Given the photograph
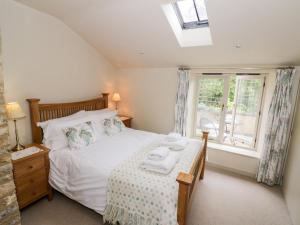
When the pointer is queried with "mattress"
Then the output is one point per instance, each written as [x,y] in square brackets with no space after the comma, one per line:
[82,175]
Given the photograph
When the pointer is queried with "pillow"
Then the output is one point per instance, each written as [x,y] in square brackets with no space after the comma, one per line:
[102,113]
[113,125]
[61,119]
[55,138]
[47,129]
[80,135]
[98,116]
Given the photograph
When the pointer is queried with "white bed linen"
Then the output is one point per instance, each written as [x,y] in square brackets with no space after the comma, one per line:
[82,175]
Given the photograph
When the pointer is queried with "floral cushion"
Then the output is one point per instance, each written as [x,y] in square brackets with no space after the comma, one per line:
[113,125]
[80,135]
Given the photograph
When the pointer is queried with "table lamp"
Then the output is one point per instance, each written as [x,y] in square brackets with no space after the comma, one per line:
[116,98]
[15,112]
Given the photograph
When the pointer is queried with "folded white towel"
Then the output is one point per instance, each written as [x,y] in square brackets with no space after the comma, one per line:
[173,137]
[176,145]
[164,166]
[160,153]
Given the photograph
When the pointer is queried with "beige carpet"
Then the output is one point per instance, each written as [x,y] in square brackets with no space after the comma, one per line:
[221,199]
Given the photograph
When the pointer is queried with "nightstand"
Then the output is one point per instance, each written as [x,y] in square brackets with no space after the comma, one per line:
[126,120]
[31,170]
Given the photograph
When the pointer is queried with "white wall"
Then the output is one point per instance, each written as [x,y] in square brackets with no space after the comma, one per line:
[291,186]
[43,58]
[148,95]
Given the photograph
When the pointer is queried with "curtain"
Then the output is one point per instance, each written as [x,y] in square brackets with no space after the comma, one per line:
[181,102]
[271,166]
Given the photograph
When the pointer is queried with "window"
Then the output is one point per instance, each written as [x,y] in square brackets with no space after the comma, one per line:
[182,15]
[229,107]
[191,13]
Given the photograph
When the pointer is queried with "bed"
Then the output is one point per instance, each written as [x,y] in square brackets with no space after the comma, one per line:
[83,177]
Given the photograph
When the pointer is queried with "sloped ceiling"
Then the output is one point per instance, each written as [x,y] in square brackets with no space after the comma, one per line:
[136,33]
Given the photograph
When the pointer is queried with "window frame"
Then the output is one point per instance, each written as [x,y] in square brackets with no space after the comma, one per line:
[260,108]
[189,25]
[226,77]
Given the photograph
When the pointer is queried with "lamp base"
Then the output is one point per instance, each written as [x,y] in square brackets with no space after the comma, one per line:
[18,147]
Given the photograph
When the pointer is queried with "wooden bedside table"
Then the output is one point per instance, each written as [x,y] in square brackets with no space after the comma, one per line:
[126,120]
[31,174]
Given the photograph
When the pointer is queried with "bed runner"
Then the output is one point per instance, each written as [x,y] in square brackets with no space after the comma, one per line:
[139,197]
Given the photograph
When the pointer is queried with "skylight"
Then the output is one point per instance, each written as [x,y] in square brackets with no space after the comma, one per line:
[191,13]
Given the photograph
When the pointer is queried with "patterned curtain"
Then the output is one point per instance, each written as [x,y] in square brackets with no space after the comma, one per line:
[271,166]
[181,102]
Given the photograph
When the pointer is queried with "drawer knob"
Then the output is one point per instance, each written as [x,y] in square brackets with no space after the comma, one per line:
[30,167]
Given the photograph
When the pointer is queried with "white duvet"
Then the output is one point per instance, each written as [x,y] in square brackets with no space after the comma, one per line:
[82,175]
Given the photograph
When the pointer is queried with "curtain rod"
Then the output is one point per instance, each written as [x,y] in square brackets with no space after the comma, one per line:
[239,68]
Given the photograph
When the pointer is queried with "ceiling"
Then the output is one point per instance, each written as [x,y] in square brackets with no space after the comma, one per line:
[136,33]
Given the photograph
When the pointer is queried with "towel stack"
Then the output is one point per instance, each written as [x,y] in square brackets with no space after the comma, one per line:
[175,142]
[160,160]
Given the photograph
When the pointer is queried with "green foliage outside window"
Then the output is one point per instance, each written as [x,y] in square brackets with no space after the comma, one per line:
[211,93]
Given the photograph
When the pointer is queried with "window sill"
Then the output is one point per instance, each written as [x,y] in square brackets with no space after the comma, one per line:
[234,150]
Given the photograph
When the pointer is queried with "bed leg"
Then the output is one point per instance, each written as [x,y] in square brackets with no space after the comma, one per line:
[50,194]
[184,180]
[205,138]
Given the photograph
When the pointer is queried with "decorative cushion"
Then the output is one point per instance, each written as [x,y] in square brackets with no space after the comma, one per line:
[56,138]
[113,125]
[81,135]
[98,118]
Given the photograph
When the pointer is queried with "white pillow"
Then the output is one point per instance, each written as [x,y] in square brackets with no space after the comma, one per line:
[102,113]
[44,124]
[56,138]
[61,119]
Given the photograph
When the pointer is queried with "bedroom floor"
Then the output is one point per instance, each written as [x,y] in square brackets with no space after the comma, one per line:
[221,199]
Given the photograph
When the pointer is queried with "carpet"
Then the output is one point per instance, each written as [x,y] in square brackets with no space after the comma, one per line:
[222,198]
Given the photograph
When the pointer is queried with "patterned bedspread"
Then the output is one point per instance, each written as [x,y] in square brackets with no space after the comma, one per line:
[139,197]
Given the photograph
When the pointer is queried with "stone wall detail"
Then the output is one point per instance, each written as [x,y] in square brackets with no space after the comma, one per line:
[9,209]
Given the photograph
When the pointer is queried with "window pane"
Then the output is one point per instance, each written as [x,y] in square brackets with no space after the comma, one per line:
[241,118]
[187,10]
[209,107]
[231,94]
[200,4]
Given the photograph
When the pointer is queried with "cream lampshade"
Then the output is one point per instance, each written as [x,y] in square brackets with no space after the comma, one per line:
[15,112]
[116,98]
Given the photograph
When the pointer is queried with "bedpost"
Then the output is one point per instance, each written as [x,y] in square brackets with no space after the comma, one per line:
[187,181]
[105,97]
[184,180]
[205,138]
[35,118]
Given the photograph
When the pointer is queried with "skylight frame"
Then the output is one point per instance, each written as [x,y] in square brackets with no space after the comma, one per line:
[190,25]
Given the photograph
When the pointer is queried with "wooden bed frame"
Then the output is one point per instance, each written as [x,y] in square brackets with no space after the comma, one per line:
[187,181]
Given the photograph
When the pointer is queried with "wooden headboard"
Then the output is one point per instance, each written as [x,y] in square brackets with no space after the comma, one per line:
[42,112]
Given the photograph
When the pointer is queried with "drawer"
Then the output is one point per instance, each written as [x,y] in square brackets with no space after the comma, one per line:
[28,166]
[27,181]
[32,193]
